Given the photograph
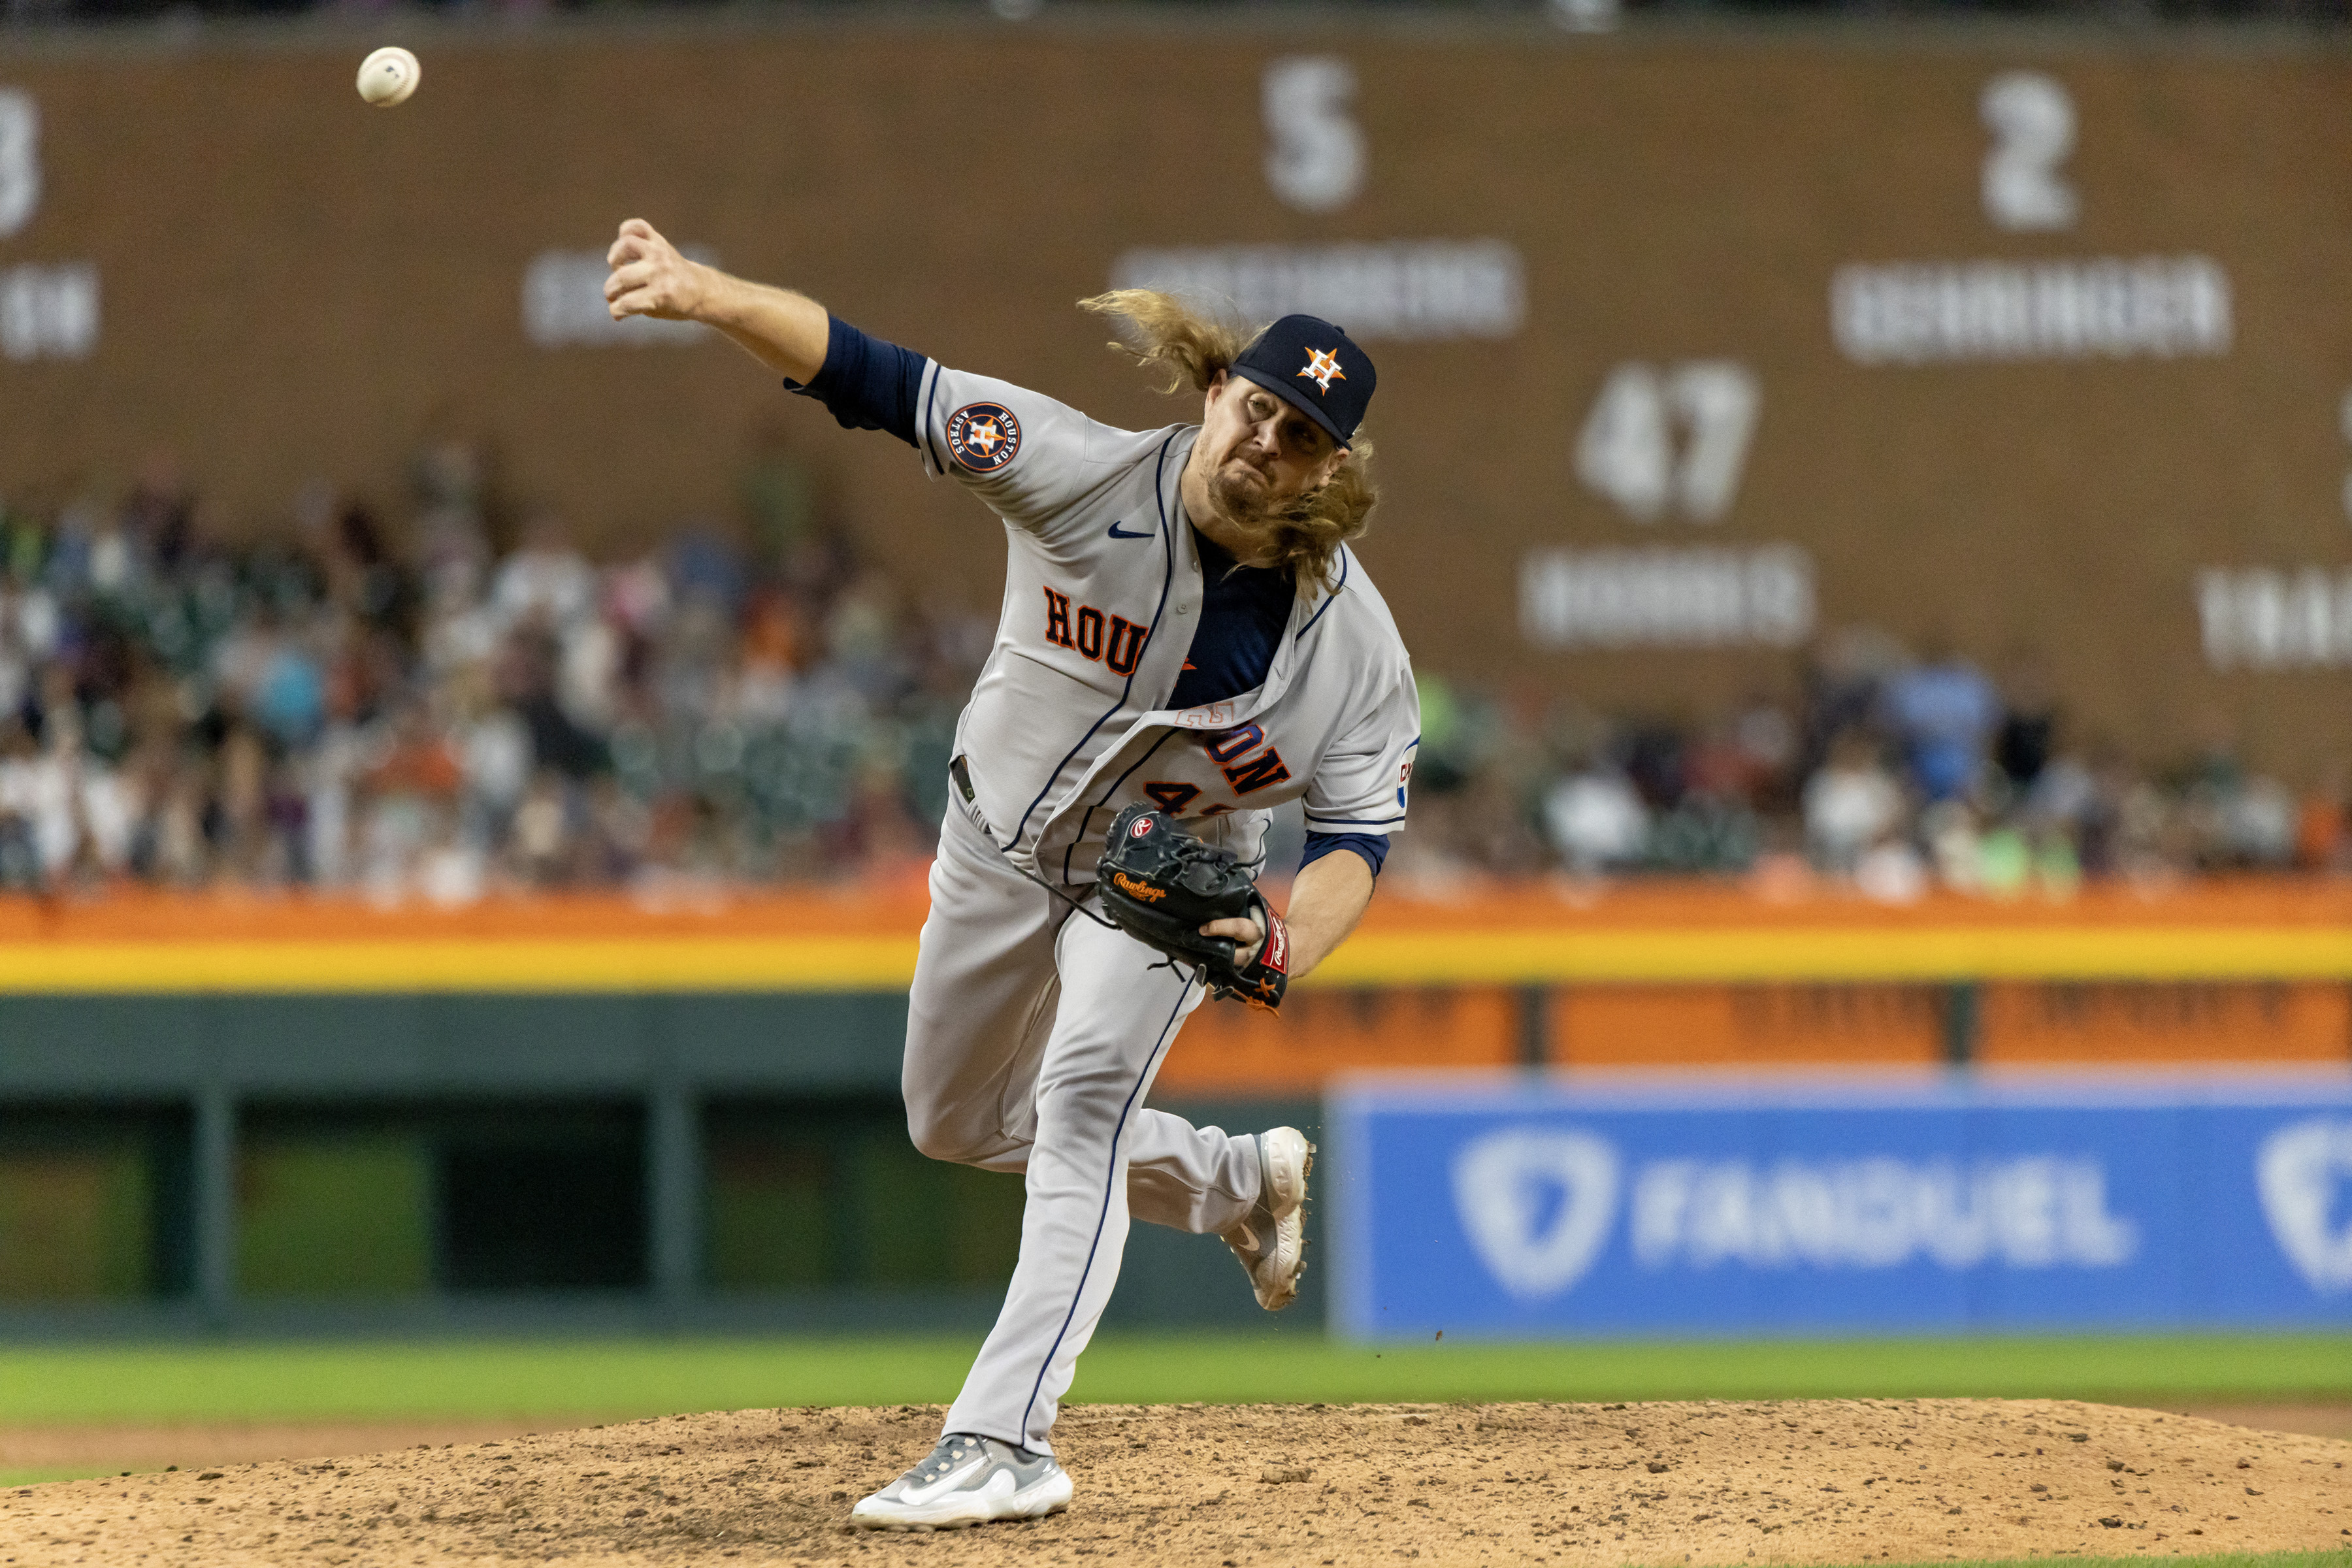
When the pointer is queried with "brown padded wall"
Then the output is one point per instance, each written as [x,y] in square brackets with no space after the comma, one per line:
[295,286]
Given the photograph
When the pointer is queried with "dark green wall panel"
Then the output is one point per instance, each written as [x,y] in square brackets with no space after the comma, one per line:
[280,1046]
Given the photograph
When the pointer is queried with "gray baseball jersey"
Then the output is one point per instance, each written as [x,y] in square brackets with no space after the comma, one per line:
[1102,595]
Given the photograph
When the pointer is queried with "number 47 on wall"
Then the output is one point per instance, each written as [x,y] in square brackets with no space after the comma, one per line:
[1628,450]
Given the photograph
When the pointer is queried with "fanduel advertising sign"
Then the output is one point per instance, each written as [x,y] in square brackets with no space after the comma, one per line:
[1528,1206]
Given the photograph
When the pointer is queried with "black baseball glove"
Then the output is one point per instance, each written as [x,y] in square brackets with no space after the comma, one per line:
[1161,885]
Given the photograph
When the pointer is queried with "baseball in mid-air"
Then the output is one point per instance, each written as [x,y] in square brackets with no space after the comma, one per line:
[388,76]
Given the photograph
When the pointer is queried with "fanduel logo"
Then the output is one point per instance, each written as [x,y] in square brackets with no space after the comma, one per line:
[2296,1171]
[1539,1203]
[2034,1212]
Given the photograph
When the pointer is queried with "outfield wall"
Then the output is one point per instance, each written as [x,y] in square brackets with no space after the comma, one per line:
[1691,343]
[292,1110]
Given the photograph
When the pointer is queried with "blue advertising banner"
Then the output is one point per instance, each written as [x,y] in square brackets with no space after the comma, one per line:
[1524,1205]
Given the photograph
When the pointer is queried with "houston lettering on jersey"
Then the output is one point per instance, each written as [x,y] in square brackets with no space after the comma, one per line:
[1232,750]
[1113,640]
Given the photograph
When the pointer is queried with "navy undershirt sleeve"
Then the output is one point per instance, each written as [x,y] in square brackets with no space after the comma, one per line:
[1372,846]
[1244,610]
[867,384]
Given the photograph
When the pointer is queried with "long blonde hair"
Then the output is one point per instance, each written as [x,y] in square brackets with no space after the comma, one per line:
[1193,350]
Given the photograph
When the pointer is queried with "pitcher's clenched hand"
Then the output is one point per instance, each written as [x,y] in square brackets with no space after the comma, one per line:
[1245,934]
[786,332]
[651,279]
[1326,899]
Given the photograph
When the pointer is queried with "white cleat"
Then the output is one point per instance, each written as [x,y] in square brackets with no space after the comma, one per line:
[1272,1242]
[968,1480]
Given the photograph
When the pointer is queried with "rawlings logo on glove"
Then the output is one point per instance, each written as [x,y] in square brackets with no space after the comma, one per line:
[1135,890]
[1161,885]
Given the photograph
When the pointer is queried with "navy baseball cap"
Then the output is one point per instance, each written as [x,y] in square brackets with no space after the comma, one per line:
[1318,368]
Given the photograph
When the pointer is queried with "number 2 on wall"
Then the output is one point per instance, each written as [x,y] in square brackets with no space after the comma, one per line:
[2031,118]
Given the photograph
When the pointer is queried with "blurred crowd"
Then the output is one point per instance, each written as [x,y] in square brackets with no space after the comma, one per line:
[443,702]
[410,711]
[1887,771]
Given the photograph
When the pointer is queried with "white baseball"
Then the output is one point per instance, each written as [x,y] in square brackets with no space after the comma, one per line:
[388,76]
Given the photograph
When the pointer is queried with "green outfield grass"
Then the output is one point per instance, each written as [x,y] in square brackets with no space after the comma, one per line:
[606,1380]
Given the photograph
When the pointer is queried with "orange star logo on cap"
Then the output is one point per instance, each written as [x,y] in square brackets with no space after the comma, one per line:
[1323,368]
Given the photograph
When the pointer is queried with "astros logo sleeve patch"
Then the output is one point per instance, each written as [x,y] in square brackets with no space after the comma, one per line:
[983,437]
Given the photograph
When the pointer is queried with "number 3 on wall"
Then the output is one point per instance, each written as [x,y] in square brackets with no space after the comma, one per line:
[20,161]
[2031,118]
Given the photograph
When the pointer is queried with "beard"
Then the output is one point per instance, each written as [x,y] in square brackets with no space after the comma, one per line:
[1245,498]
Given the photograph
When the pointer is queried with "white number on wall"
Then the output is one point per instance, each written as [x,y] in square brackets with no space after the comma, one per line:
[1627,450]
[2343,419]
[1314,151]
[564,304]
[2031,118]
[48,312]
[20,159]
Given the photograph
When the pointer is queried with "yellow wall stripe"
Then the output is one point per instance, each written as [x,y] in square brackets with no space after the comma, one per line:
[1832,954]
[1373,958]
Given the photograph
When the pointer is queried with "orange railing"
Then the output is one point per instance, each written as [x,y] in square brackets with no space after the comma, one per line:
[1633,974]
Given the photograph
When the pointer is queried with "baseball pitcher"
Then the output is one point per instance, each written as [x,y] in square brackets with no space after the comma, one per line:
[1186,641]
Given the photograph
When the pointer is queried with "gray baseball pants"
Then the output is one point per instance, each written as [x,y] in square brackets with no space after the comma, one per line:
[1032,1036]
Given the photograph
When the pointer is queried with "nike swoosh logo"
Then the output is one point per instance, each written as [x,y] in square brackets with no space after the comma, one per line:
[1115,533]
[927,1491]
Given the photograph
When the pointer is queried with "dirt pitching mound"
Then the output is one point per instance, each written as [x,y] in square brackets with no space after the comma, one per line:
[1814,1481]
